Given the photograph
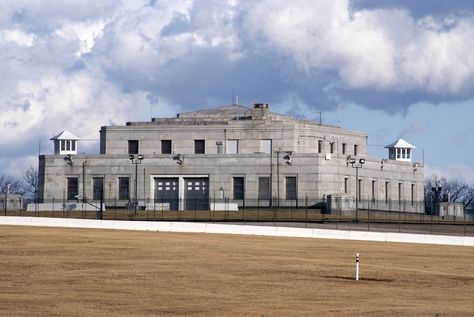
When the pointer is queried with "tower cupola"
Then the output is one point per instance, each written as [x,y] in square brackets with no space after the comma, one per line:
[65,143]
[400,150]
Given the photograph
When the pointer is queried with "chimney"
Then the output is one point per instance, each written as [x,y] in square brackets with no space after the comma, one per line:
[260,110]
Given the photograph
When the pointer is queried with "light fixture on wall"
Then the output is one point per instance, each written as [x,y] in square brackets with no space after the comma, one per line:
[179,159]
[287,158]
[68,159]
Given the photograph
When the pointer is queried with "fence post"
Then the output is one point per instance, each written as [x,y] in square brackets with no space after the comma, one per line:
[306,212]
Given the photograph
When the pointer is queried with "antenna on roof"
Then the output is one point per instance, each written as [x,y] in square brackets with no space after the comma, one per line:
[338,115]
[235,99]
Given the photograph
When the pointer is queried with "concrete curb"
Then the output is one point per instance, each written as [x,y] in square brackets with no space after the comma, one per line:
[239,229]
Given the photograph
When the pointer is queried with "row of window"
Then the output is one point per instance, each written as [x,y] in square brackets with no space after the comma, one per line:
[374,190]
[231,147]
[400,153]
[264,189]
[97,188]
[68,145]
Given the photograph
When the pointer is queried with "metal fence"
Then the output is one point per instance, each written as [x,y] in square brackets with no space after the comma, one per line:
[371,215]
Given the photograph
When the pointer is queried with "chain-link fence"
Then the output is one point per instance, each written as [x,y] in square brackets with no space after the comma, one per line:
[370,215]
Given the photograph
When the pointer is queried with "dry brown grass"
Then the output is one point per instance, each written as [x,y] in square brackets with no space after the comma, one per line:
[78,272]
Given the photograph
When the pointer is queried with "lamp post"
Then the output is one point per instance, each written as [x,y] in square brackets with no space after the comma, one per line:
[436,192]
[136,159]
[357,164]
[288,161]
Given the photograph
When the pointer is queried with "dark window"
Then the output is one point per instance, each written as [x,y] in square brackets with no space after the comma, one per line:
[291,192]
[373,190]
[399,192]
[239,188]
[73,145]
[97,187]
[199,146]
[132,146]
[165,146]
[264,188]
[331,147]
[320,146]
[387,191]
[412,194]
[124,188]
[355,149]
[343,148]
[346,185]
[63,145]
[72,188]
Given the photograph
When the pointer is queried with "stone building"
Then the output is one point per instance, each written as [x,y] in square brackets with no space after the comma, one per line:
[250,157]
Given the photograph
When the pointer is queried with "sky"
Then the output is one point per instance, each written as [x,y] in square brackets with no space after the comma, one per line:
[394,68]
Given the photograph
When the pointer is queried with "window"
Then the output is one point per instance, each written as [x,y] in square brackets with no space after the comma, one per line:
[73,145]
[220,146]
[331,147]
[320,146]
[412,194]
[63,145]
[399,191]
[166,146]
[387,194]
[124,188]
[355,149]
[232,147]
[291,188]
[264,188]
[398,153]
[132,146]
[408,153]
[68,145]
[346,185]
[97,188]
[239,188]
[72,188]
[343,148]
[266,146]
[199,147]
[373,189]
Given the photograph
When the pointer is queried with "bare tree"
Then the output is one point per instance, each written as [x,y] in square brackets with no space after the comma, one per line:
[30,179]
[12,184]
[452,189]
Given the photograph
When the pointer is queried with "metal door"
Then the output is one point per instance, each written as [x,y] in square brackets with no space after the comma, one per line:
[196,193]
[167,191]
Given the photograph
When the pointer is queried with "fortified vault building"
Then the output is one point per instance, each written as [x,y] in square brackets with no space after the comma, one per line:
[251,157]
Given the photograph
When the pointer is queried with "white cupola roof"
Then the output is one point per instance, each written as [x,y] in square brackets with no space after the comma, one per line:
[400,150]
[65,143]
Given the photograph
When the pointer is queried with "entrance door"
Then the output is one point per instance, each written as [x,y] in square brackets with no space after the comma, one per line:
[196,193]
[167,191]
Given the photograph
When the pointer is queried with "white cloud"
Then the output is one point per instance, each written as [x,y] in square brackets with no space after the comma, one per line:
[80,64]
[19,37]
[383,49]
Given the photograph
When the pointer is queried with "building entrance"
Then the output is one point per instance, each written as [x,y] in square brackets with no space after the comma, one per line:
[167,191]
[196,193]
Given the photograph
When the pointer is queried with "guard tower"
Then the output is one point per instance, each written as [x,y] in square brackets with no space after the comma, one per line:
[65,143]
[400,150]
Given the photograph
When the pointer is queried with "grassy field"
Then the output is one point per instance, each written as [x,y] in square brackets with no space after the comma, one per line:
[78,272]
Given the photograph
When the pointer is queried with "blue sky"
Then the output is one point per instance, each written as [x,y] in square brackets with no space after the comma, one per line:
[397,68]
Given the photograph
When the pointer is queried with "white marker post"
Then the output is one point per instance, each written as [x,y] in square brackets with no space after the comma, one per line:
[357,267]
